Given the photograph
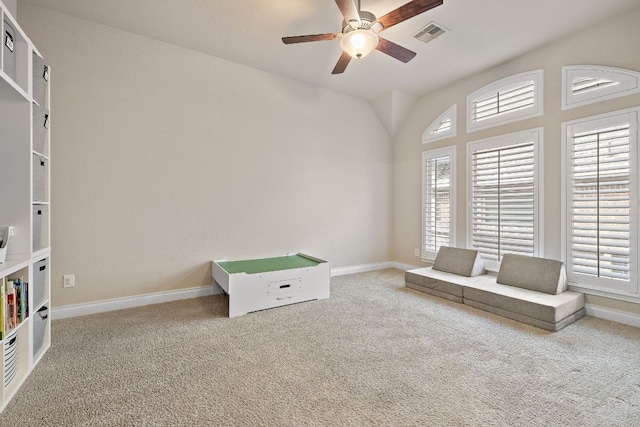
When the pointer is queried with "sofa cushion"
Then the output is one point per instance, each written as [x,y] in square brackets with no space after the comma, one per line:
[536,274]
[553,327]
[464,262]
[533,304]
[435,283]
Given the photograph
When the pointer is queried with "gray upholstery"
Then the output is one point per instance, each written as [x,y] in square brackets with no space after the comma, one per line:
[434,292]
[536,274]
[546,310]
[533,304]
[434,282]
[553,327]
[464,262]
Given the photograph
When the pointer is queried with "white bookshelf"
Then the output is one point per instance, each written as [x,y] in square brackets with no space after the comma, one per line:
[25,201]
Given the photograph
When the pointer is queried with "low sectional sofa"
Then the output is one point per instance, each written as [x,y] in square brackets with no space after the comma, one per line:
[530,290]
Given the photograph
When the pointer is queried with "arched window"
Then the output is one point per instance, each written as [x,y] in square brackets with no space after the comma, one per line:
[442,127]
[587,84]
[508,100]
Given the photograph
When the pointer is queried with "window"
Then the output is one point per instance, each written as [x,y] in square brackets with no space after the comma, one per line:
[587,84]
[601,196]
[508,100]
[438,200]
[442,127]
[504,188]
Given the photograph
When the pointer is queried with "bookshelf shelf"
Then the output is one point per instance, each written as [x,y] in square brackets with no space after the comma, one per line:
[9,267]
[25,274]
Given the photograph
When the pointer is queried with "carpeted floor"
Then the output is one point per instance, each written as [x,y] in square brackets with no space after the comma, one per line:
[374,354]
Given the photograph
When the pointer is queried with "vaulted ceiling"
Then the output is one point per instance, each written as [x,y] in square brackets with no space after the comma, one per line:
[481,34]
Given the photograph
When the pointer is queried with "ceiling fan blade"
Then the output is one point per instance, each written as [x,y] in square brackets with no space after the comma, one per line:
[349,10]
[342,63]
[395,50]
[409,10]
[309,38]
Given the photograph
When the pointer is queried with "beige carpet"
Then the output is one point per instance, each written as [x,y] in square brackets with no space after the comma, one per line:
[374,354]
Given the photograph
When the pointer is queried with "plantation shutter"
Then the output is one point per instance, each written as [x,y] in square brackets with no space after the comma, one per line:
[505,100]
[437,203]
[581,85]
[600,202]
[503,200]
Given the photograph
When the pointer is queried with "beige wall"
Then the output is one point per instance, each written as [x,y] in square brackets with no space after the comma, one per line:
[164,159]
[610,43]
[12,6]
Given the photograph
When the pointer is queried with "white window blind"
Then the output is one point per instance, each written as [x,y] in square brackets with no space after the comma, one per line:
[438,200]
[602,202]
[442,127]
[513,98]
[587,84]
[581,85]
[504,195]
[505,100]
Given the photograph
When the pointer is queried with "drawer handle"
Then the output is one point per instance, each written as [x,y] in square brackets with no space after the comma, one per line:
[285,286]
[42,268]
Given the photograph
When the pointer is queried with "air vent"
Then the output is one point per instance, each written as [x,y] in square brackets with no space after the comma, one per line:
[431,32]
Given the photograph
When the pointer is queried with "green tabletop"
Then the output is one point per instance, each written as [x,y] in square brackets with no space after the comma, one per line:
[264,265]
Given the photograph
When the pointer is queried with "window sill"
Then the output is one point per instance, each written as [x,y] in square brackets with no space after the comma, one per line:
[620,296]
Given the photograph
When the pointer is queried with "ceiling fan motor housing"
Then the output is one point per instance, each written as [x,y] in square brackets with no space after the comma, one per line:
[367,22]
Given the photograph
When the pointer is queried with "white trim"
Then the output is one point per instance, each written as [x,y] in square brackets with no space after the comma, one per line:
[430,154]
[452,114]
[628,83]
[75,310]
[537,136]
[404,267]
[362,268]
[589,285]
[604,292]
[537,109]
[83,309]
[624,317]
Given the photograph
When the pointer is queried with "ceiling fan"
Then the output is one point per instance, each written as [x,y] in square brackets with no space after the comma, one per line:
[360,30]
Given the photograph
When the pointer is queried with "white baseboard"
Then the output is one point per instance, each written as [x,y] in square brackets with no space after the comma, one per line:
[75,310]
[405,267]
[362,268]
[614,315]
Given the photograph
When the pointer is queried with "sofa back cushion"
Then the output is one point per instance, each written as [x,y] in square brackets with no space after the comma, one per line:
[536,274]
[464,262]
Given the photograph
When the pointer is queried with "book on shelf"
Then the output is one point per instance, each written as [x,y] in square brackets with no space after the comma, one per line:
[15,306]
[11,305]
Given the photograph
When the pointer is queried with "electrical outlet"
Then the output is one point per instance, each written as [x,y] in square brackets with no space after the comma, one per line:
[416,252]
[12,232]
[69,281]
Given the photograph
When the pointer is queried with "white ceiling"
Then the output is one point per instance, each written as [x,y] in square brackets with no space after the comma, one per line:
[483,33]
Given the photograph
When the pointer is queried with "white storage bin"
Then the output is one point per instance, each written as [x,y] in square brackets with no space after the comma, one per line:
[4,243]
[40,80]
[40,127]
[10,359]
[38,213]
[9,48]
[39,328]
[39,281]
[39,168]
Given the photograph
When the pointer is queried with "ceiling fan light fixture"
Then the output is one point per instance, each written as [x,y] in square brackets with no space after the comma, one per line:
[359,43]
